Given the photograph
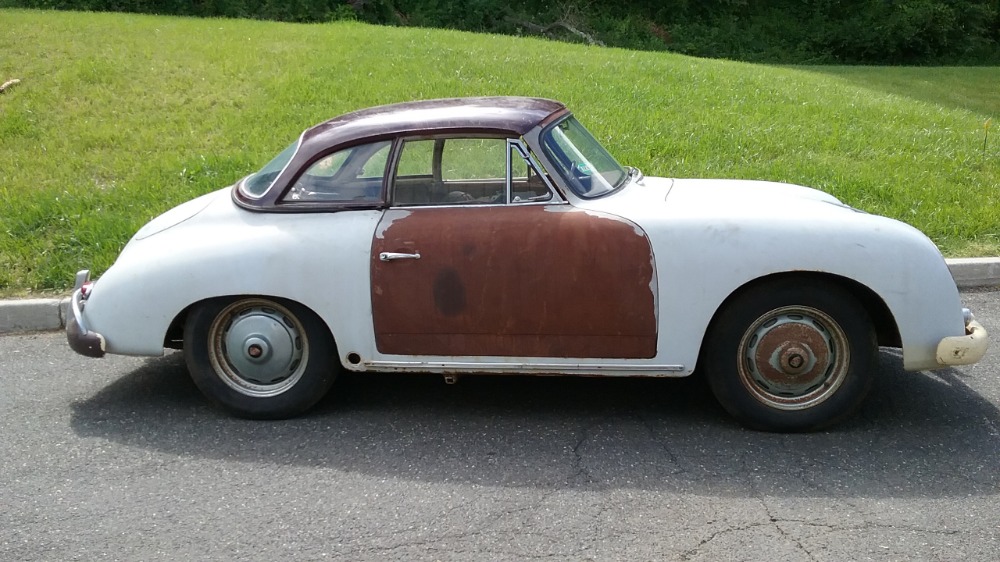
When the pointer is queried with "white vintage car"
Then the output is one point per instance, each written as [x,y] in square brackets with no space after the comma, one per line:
[496,235]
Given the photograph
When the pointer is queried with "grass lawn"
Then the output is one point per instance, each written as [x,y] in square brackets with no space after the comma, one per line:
[119,117]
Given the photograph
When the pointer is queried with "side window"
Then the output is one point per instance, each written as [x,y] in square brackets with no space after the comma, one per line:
[416,159]
[415,183]
[474,159]
[348,176]
[375,166]
[466,171]
[526,185]
[451,171]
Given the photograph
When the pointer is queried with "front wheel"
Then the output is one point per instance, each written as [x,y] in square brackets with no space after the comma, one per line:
[259,358]
[791,356]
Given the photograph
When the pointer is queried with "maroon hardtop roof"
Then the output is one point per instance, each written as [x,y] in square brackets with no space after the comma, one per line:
[514,115]
[502,115]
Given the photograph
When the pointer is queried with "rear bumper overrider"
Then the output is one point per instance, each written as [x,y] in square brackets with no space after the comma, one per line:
[80,338]
[967,349]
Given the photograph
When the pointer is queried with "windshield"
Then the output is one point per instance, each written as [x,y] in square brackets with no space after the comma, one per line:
[588,169]
[257,184]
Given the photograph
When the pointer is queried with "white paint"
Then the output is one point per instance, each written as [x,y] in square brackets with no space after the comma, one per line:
[709,237]
[391,216]
[177,215]
[712,236]
[321,260]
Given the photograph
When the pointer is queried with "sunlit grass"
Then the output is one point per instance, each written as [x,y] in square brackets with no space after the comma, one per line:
[119,117]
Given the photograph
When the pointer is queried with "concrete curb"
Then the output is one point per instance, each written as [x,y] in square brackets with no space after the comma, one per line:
[975,272]
[32,315]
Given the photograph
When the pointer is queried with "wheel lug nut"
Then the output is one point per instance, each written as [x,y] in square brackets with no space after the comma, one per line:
[793,360]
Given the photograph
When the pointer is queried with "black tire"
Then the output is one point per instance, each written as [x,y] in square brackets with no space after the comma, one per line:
[287,360]
[791,355]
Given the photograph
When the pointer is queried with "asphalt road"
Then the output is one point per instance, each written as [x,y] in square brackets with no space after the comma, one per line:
[122,459]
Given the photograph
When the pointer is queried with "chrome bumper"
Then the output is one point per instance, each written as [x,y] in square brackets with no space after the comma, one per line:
[967,349]
[82,340]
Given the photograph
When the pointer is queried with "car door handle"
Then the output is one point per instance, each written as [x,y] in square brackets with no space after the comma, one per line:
[389,256]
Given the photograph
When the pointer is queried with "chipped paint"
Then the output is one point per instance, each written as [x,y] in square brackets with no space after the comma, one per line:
[654,288]
[597,214]
[514,281]
[635,228]
[387,219]
[963,350]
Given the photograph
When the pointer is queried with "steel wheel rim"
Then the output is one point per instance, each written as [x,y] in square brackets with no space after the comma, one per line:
[793,358]
[258,348]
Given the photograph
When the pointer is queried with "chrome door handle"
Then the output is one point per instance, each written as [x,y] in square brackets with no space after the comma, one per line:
[389,256]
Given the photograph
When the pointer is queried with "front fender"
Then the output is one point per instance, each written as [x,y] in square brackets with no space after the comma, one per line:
[709,240]
[896,262]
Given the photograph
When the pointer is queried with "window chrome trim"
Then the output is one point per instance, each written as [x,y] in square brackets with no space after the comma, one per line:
[395,156]
[270,186]
[530,160]
[509,196]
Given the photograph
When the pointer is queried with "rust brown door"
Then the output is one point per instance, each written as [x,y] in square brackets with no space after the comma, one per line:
[514,280]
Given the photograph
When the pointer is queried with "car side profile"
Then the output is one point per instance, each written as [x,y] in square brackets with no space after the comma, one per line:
[497,235]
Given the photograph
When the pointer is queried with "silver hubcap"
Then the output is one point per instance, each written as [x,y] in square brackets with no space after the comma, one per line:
[258,347]
[793,358]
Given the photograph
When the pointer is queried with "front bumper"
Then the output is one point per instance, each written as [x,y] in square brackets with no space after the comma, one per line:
[964,350]
[82,340]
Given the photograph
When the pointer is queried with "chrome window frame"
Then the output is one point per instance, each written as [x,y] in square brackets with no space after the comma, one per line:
[516,143]
[529,159]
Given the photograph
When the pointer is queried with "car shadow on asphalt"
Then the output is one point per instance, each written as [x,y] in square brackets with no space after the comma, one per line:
[918,435]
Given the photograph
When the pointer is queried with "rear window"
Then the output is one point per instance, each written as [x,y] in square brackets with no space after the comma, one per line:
[258,184]
[351,175]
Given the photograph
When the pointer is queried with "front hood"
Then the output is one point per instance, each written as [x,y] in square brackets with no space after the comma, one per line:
[732,202]
[741,193]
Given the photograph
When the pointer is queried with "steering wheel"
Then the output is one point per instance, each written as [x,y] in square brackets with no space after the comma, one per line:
[457,197]
[582,178]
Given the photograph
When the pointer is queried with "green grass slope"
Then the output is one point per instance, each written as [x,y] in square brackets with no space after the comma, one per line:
[119,117]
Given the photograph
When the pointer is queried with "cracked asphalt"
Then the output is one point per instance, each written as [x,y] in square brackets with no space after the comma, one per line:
[122,459]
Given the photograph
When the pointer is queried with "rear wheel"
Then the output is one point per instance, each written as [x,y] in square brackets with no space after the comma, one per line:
[791,355]
[258,357]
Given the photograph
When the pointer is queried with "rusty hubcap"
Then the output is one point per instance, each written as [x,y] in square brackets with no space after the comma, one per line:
[793,358]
